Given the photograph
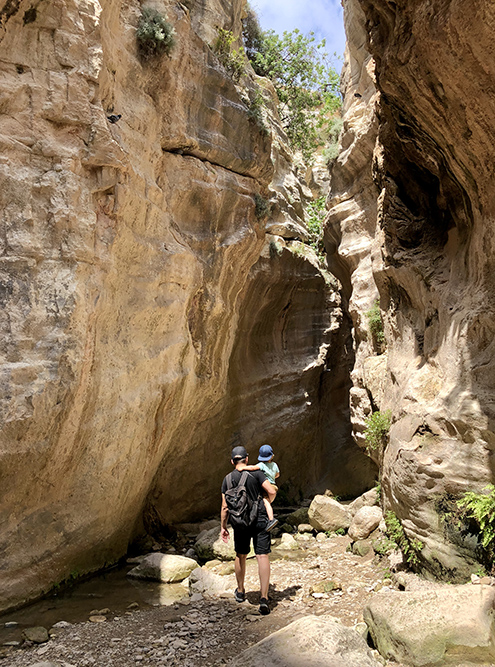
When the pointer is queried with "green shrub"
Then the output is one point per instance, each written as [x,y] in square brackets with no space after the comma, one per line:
[275,249]
[481,508]
[410,548]
[315,215]
[261,207]
[307,86]
[331,151]
[154,34]
[375,325]
[377,428]
[233,60]
[255,112]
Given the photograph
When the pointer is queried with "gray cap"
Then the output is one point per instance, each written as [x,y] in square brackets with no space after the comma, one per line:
[238,453]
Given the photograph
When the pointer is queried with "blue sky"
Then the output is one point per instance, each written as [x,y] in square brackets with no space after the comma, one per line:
[324,17]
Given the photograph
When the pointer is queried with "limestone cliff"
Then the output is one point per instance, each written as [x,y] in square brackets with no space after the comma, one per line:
[146,326]
[426,221]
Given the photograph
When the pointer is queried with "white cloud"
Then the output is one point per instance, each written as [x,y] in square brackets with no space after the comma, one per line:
[323,17]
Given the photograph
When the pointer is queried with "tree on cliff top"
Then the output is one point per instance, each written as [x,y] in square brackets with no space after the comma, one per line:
[307,85]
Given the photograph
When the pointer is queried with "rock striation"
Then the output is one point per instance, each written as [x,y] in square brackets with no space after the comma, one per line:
[411,220]
[147,325]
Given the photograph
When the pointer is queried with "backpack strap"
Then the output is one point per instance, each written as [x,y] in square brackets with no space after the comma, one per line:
[228,479]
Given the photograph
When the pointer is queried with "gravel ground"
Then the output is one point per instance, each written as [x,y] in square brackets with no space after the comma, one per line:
[210,632]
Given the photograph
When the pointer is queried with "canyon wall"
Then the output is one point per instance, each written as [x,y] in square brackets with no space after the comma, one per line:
[419,79]
[151,316]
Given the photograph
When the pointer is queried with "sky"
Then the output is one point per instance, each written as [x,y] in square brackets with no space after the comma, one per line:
[324,17]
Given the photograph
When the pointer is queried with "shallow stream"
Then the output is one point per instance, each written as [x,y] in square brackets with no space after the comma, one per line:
[111,590]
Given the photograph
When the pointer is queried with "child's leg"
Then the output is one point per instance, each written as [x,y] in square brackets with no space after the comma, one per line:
[269,509]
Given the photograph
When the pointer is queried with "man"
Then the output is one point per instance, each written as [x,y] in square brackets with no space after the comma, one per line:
[256,481]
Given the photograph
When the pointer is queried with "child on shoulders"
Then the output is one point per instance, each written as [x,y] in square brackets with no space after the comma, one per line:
[268,466]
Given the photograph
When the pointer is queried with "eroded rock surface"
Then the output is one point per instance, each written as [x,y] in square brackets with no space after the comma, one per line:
[146,327]
[416,224]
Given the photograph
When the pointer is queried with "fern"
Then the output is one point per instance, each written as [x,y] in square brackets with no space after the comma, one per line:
[481,508]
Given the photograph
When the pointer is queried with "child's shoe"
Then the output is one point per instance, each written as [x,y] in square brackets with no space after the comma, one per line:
[271,524]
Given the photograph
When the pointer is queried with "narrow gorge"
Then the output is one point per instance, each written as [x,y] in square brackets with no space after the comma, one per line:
[161,302]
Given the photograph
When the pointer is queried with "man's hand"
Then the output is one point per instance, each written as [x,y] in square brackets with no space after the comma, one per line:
[224,534]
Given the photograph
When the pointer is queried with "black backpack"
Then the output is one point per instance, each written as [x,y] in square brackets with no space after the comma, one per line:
[243,511]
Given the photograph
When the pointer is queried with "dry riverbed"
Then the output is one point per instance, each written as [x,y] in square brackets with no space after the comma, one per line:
[210,632]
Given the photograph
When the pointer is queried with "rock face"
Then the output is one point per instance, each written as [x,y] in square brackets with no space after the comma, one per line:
[431,626]
[146,327]
[412,217]
[313,641]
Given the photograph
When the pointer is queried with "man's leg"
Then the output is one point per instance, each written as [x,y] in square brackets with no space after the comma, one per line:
[264,573]
[240,571]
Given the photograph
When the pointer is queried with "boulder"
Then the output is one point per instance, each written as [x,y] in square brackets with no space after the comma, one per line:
[429,626]
[287,542]
[305,528]
[368,499]
[361,547]
[166,568]
[312,641]
[328,514]
[209,584]
[364,522]
[38,635]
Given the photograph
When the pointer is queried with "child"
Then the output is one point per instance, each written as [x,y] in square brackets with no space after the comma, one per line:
[272,471]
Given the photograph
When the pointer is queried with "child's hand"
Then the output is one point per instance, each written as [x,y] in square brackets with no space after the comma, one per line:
[224,534]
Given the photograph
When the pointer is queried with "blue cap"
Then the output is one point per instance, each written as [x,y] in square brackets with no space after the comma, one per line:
[266,453]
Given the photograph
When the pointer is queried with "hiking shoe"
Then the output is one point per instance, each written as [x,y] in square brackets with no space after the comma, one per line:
[264,608]
[239,597]
[271,524]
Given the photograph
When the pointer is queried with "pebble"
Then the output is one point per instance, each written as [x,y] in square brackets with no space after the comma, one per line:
[97,619]
[11,624]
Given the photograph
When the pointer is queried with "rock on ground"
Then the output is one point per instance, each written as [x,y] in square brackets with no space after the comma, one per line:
[312,641]
[166,568]
[209,584]
[328,514]
[425,627]
[364,522]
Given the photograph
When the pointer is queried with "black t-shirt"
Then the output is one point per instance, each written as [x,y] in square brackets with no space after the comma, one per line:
[254,482]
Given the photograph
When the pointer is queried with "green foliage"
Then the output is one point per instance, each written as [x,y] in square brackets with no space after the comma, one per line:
[275,249]
[378,488]
[481,508]
[154,34]
[232,59]
[307,86]
[410,548]
[375,325]
[261,207]
[315,215]
[331,151]
[255,112]
[377,428]
[332,533]
[384,546]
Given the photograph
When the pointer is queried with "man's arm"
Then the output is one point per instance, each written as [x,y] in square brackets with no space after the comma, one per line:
[270,491]
[252,468]
[224,515]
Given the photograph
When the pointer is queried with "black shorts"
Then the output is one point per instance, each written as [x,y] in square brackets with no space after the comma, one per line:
[261,539]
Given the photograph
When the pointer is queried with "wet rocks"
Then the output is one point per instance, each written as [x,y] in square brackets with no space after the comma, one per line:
[166,568]
[37,635]
[328,514]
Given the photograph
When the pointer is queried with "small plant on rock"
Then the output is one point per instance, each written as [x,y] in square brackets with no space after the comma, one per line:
[375,325]
[255,112]
[155,35]
[275,249]
[481,508]
[233,60]
[377,429]
[261,207]
[410,548]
